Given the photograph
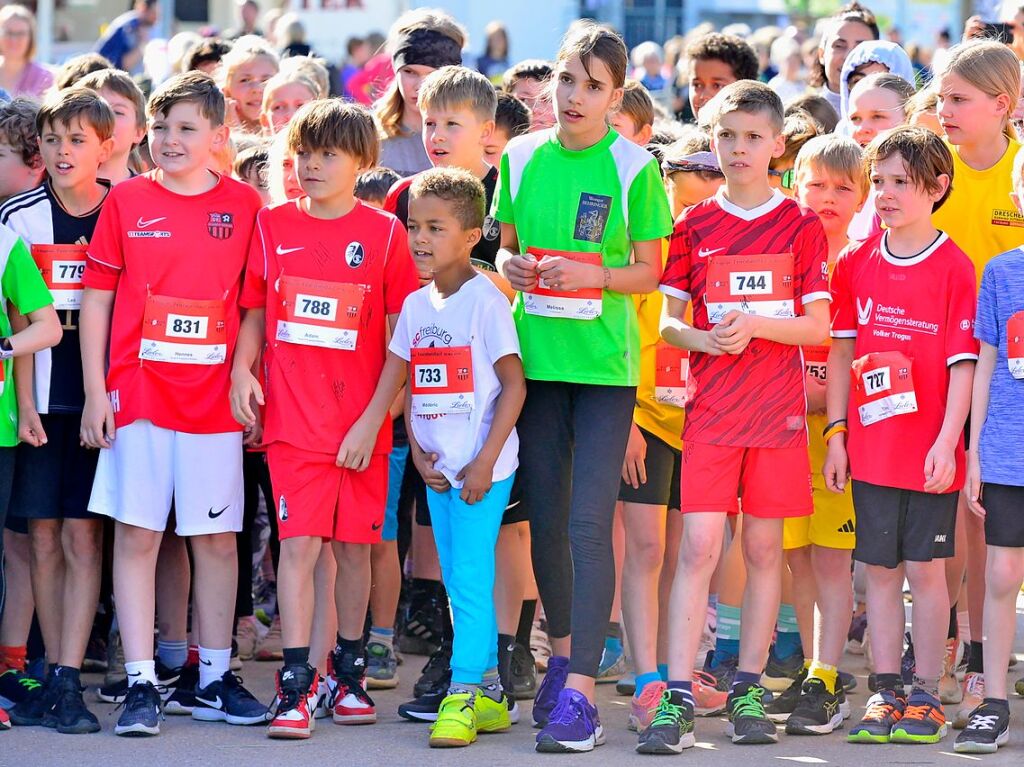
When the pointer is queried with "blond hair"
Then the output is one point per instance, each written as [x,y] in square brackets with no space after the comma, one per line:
[836,155]
[287,78]
[991,67]
[637,104]
[335,124]
[120,83]
[458,88]
[797,129]
[312,69]
[245,49]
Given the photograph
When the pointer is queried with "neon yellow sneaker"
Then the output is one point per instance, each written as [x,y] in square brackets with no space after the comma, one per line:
[492,715]
[456,723]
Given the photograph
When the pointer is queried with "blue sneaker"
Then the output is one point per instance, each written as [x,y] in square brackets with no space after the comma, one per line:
[550,689]
[141,715]
[573,726]
[226,700]
[381,667]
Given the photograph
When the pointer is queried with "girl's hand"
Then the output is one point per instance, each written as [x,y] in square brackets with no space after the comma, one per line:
[521,272]
[634,467]
[564,274]
[972,487]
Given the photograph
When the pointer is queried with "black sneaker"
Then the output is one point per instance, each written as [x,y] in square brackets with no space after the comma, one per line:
[724,672]
[70,715]
[817,711]
[783,705]
[424,708]
[15,686]
[438,666]
[748,723]
[848,681]
[226,700]
[908,663]
[987,730]
[779,673]
[141,715]
[671,730]
[180,698]
[523,673]
[33,710]
[115,692]
[424,622]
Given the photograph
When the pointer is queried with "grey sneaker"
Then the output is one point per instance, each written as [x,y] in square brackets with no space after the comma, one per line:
[381,667]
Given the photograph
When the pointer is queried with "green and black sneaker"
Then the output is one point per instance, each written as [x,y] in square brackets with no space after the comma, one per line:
[748,722]
[671,730]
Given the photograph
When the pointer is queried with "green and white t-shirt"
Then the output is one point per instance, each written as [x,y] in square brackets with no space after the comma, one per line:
[597,200]
[21,285]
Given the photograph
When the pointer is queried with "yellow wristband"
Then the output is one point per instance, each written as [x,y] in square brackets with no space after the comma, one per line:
[839,428]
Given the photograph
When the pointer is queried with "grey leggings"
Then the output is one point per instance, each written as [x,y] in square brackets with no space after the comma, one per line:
[572,443]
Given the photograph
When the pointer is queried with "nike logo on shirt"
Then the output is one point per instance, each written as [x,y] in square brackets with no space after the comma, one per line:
[704,252]
[142,224]
[285,251]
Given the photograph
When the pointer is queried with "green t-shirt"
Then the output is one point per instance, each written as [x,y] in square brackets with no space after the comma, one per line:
[21,285]
[598,200]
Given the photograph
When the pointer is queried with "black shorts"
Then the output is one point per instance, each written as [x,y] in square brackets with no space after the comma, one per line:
[412,482]
[663,463]
[1004,514]
[55,481]
[896,525]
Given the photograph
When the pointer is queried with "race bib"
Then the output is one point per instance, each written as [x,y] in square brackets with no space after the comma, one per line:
[671,375]
[883,386]
[546,301]
[184,330]
[815,359]
[756,284]
[319,313]
[442,380]
[62,267]
[1015,345]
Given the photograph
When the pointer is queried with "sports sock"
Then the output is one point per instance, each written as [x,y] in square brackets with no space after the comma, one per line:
[295,656]
[929,685]
[490,685]
[663,671]
[526,622]
[642,680]
[13,657]
[787,636]
[172,654]
[891,682]
[213,664]
[746,677]
[140,671]
[685,688]
[464,687]
[727,635]
[826,673]
[348,645]
[963,625]
[976,662]
[384,636]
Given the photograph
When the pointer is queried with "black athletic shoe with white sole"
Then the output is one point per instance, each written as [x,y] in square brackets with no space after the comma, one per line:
[817,711]
[987,729]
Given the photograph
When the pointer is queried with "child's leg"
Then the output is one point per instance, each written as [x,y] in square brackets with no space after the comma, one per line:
[799,590]
[352,587]
[135,555]
[48,576]
[295,598]
[645,552]
[216,572]
[835,602]
[18,604]
[512,566]
[673,537]
[976,555]
[886,617]
[325,613]
[762,554]
[173,588]
[82,541]
[930,617]
[1003,574]
[387,583]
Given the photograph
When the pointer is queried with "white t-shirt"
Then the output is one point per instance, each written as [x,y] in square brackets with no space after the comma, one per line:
[479,317]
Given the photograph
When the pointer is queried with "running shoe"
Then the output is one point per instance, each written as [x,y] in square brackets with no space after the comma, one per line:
[722,669]
[540,644]
[270,648]
[141,715]
[884,711]
[550,691]
[848,681]
[671,729]
[987,729]
[855,636]
[182,694]
[456,722]
[381,667]
[424,707]
[626,686]
[973,695]
[573,726]
[817,710]
[296,698]
[352,704]
[1018,686]
[323,706]
[115,692]
[15,686]
[5,720]
[227,700]
[783,705]
[249,635]
[492,715]
[710,701]
[69,715]
[33,710]
[95,660]
[748,723]
[923,720]
[779,673]
[908,664]
[950,691]
[424,623]
[613,665]
[645,706]
[523,672]
[438,666]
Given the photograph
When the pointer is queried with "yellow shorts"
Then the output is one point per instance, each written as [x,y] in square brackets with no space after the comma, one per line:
[832,525]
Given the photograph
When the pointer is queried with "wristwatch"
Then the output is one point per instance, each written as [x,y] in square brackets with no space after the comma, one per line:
[6,350]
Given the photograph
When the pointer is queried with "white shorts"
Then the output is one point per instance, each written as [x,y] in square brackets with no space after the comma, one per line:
[147,467]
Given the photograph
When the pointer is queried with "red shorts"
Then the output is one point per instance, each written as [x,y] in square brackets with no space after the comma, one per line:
[317,498]
[773,482]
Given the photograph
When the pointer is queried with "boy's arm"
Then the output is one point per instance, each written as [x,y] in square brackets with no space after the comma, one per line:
[837,402]
[30,426]
[94,331]
[940,463]
[520,270]
[979,406]
[676,332]
[245,387]
[477,476]
[735,331]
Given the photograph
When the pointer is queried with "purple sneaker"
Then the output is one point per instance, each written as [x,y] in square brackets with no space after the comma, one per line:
[550,688]
[573,726]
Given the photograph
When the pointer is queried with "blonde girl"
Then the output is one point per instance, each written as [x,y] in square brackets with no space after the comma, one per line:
[282,97]
[244,73]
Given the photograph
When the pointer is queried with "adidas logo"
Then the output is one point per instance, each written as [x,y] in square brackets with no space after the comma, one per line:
[847,527]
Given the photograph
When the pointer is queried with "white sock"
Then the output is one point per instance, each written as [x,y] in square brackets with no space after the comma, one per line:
[141,671]
[213,664]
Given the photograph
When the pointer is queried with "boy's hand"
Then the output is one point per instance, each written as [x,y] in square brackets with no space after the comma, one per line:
[939,468]
[565,274]
[30,427]
[837,465]
[97,422]
[972,487]
[711,344]
[476,478]
[634,468]
[244,389]
[734,332]
[357,447]
[521,272]
[424,464]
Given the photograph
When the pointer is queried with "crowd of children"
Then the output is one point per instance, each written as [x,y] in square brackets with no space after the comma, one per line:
[459,338]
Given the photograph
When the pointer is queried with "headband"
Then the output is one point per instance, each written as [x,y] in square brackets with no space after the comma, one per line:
[697,161]
[426,47]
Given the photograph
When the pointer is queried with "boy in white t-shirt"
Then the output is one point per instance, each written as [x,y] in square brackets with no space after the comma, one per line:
[465,391]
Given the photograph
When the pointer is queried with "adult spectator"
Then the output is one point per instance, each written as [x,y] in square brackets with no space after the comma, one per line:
[248,16]
[19,74]
[291,36]
[207,55]
[126,37]
[358,53]
[494,61]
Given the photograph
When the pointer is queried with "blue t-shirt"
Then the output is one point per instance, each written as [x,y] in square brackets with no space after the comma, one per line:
[1002,295]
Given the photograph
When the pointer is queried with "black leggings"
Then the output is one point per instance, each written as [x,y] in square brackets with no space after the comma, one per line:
[574,431]
[255,480]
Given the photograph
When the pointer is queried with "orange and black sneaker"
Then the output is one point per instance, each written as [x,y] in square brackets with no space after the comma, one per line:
[923,720]
[884,711]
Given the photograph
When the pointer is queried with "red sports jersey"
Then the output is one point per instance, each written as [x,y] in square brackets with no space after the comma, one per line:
[176,265]
[914,316]
[771,260]
[328,286]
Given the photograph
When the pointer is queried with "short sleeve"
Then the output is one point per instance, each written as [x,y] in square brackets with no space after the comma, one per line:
[105,255]
[400,278]
[960,342]
[986,323]
[844,315]
[649,214]
[400,339]
[811,247]
[499,332]
[675,280]
[22,283]
[254,286]
[502,206]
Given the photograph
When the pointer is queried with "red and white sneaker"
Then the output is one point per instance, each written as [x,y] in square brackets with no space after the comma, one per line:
[324,698]
[295,702]
[352,704]
[5,720]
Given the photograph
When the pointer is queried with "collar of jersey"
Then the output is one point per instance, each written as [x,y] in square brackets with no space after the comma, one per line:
[883,246]
[774,201]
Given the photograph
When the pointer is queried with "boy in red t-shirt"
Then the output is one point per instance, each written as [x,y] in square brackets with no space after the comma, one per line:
[326,279]
[754,264]
[162,278]
[901,369]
